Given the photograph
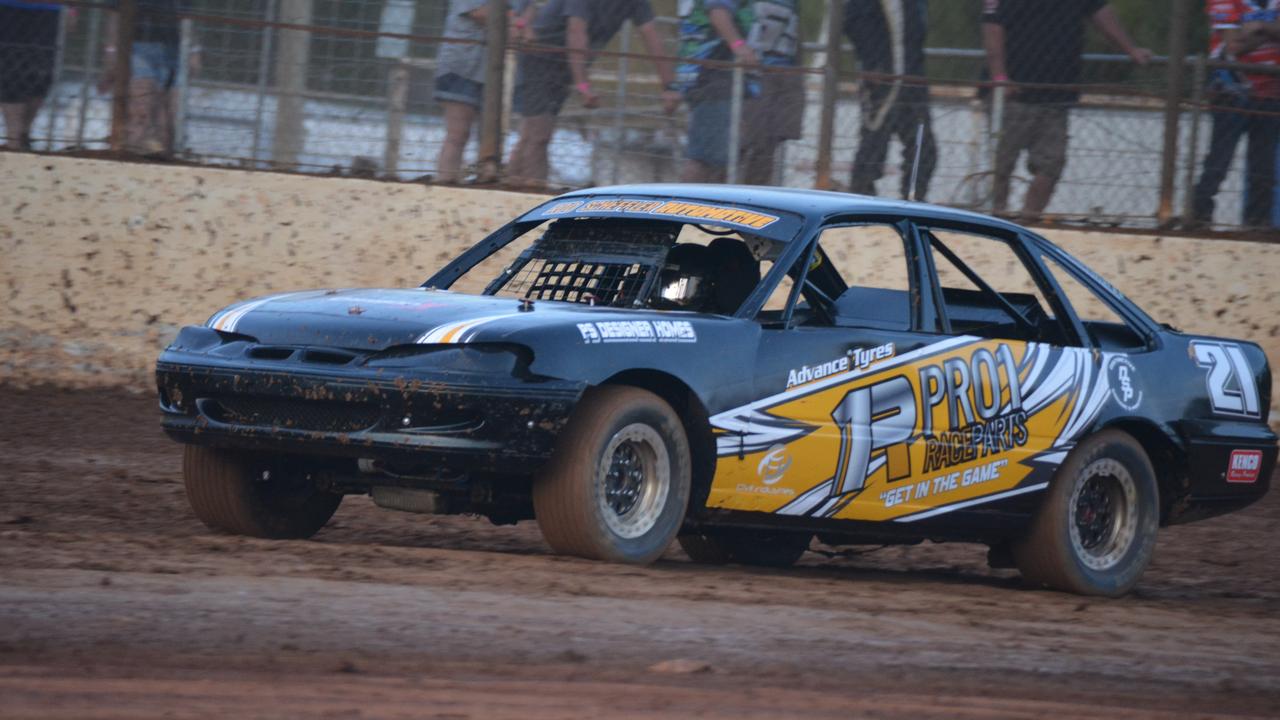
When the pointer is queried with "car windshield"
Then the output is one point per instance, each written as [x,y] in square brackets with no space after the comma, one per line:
[634,263]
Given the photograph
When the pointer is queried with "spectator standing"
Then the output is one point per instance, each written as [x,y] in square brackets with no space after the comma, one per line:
[777,113]
[888,39]
[460,69]
[545,77]
[712,30]
[153,69]
[1040,43]
[28,43]
[1246,31]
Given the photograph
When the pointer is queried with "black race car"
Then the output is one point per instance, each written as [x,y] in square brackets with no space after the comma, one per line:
[741,369]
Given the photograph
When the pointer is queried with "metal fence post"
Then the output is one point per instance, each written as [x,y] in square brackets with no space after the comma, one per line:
[126,21]
[264,74]
[1173,108]
[620,104]
[997,129]
[830,91]
[397,107]
[292,58]
[1199,75]
[491,110]
[735,123]
[182,85]
[86,83]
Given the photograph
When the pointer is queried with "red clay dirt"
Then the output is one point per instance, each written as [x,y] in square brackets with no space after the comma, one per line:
[115,602]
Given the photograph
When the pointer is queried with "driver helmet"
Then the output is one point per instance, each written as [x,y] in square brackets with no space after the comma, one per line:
[683,282]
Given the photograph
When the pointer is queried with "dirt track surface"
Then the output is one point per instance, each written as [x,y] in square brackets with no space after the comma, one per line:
[116,603]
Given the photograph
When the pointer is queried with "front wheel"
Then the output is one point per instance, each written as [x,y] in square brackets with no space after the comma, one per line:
[256,495]
[1095,532]
[617,486]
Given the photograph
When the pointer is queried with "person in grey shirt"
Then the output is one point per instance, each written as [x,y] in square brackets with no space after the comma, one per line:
[460,81]
[564,32]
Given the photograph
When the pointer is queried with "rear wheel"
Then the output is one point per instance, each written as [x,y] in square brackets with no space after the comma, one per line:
[764,548]
[1095,532]
[255,495]
[618,484]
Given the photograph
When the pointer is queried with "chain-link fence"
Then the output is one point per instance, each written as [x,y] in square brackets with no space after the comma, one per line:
[1054,110]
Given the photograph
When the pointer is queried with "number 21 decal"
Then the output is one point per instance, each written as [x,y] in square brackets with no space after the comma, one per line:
[1232,389]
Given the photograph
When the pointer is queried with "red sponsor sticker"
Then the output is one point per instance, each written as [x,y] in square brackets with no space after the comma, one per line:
[1244,465]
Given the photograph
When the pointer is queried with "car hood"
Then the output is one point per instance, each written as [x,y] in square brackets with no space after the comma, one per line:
[375,319]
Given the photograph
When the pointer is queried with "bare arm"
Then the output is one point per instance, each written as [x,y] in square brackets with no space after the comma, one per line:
[579,47]
[727,29]
[658,53]
[1106,21]
[993,42]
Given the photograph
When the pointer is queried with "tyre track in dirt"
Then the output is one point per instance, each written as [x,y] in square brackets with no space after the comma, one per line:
[116,602]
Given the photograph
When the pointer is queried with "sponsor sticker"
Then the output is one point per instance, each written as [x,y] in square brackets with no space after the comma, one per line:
[855,359]
[1244,466]
[669,208]
[1125,386]
[774,465]
[638,331]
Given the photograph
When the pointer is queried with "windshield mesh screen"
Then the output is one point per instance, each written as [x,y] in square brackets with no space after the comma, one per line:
[596,262]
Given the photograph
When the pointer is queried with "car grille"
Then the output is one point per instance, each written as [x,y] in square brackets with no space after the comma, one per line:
[313,415]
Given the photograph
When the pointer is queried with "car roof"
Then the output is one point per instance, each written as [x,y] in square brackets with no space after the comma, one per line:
[809,203]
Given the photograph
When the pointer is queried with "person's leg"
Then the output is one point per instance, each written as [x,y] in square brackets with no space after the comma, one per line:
[915,121]
[458,118]
[1260,164]
[873,144]
[757,162]
[141,135]
[529,158]
[1228,126]
[1047,157]
[16,132]
[1010,144]
[706,150]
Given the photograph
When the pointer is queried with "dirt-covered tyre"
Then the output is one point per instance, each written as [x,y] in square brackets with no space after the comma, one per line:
[1095,531]
[617,486]
[764,548]
[254,495]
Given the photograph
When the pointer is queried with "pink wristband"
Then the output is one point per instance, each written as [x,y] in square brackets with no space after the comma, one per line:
[737,43]
[1000,78]
[584,88]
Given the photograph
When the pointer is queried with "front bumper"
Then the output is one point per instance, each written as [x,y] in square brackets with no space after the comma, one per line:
[451,420]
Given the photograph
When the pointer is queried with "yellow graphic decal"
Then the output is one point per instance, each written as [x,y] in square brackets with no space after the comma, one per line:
[939,427]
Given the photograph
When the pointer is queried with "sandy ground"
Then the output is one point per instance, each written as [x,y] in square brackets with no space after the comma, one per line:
[116,603]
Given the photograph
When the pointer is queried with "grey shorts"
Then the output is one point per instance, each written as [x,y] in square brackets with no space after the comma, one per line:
[1038,128]
[542,84]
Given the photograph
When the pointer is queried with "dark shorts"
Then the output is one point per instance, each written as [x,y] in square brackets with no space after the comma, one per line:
[708,141]
[452,87]
[155,61]
[1038,128]
[542,84]
[28,41]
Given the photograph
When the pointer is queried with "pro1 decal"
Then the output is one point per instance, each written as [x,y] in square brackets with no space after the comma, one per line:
[1125,387]
[638,331]
[940,428]
[1230,381]
[1244,466]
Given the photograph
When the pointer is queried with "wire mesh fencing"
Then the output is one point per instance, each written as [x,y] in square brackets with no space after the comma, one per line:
[897,98]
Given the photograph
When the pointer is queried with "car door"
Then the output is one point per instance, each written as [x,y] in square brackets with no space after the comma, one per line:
[828,417]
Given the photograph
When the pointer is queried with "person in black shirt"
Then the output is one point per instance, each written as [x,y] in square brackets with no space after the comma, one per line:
[888,38]
[28,44]
[1039,43]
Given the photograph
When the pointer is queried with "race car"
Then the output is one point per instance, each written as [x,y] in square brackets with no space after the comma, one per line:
[739,369]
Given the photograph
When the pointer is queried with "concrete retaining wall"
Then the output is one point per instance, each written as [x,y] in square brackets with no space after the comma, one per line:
[101,262]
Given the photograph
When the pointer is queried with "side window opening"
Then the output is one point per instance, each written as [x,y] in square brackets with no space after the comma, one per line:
[1106,328]
[988,291]
[860,272]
